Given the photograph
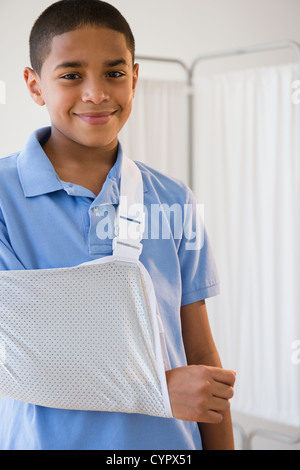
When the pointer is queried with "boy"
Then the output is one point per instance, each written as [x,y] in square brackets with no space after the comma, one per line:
[53,194]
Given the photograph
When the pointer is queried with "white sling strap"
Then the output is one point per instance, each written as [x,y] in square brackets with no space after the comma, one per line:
[88,337]
[130,218]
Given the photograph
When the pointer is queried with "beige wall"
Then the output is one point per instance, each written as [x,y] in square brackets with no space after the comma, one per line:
[176,28]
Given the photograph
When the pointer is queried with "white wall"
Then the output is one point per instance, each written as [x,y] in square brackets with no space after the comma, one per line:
[180,29]
[187,28]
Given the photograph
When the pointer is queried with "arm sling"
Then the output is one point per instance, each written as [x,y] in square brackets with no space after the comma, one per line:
[88,337]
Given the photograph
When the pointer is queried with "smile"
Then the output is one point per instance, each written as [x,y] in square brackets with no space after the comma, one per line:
[96,119]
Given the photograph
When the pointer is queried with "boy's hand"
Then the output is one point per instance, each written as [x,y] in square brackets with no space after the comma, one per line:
[200,393]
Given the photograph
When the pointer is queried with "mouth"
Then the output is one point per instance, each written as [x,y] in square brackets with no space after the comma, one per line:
[96,118]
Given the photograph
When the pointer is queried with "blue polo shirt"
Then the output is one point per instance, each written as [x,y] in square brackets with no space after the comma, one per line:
[48,223]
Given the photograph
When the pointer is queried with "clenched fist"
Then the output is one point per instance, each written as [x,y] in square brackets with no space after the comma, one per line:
[200,393]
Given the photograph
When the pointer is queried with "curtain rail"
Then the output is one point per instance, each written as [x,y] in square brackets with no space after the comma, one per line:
[226,53]
[165,59]
[283,438]
[247,50]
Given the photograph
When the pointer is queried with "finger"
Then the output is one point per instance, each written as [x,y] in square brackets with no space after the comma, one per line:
[222,390]
[212,417]
[223,376]
[219,404]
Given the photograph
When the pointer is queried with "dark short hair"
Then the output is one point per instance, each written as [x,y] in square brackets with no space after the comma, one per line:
[69,15]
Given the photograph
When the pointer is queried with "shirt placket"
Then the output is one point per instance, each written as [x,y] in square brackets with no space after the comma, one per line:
[101,230]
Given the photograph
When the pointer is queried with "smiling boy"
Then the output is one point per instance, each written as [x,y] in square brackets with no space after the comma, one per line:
[83,70]
[88,100]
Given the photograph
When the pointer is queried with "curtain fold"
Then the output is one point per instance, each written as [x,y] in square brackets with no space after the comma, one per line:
[157,130]
[247,176]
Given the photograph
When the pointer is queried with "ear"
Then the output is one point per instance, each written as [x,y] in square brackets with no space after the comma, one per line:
[135,77]
[33,84]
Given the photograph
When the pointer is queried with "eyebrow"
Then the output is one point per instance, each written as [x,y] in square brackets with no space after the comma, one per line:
[70,65]
[79,64]
[114,63]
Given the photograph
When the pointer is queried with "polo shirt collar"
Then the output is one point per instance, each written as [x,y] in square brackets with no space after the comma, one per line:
[38,176]
[36,172]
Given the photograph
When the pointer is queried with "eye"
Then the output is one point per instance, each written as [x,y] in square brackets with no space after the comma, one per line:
[71,76]
[115,74]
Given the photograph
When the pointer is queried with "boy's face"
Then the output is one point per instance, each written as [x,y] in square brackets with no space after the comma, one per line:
[87,83]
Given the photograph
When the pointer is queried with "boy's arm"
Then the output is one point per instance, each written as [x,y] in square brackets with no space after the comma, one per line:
[201,391]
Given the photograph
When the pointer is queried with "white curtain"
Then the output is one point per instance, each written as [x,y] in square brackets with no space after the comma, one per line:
[247,176]
[157,130]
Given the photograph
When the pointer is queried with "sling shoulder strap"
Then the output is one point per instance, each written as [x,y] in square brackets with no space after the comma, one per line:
[130,216]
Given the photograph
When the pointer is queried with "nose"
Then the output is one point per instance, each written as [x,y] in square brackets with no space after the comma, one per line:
[95,91]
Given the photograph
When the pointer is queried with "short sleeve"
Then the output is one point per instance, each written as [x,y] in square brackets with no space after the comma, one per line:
[199,274]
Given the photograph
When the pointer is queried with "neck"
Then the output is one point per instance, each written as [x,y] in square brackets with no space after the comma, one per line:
[78,164]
